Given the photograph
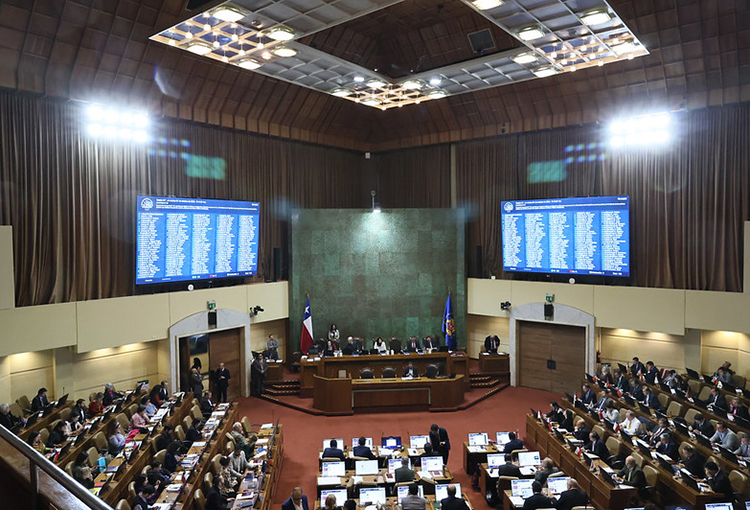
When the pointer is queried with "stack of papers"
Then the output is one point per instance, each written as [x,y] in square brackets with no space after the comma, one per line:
[267,426]
[476,449]
[329,480]
[174,487]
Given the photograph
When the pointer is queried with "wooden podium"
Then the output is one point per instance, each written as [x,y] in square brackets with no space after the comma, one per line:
[332,396]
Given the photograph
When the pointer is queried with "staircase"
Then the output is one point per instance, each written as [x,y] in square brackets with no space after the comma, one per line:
[282,388]
[479,380]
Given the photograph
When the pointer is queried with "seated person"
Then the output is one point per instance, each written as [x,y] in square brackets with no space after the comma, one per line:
[330,349]
[207,404]
[574,496]
[597,446]
[172,458]
[491,344]
[140,419]
[610,413]
[40,401]
[509,469]
[555,414]
[631,425]
[513,443]
[702,425]
[215,499]
[97,405]
[637,368]
[580,431]
[7,419]
[72,426]
[115,438]
[716,399]
[330,503]
[231,477]
[744,450]
[380,345]
[650,400]
[297,500]
[430,342]
[410,371]
[57,437]
[652,373]
[194,432]
[428,452]
[656,433]
[413,501]
[694,461]
[601,403]
[141,501]
[718,479]
[348,348]
[82,471]
[241,441]
[413,345]
[362,450]
[149,406]
[404,473]
[668,447]
[452,502]
[723,376]
[166,437]
[333,451]
[620,381]
[548,467]
[725,437]
[631,473]
[738,409]
[636,390]
[238,462]
[537,499]
[110,395]
[35,441]
[79,409]
[605,374]
[588,397]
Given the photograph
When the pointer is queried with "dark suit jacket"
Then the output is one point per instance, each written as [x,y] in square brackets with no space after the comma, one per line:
[222,383]
[334,452]
[598,448]
[80,411]
[490,344]
[454,504]
[403,474]
[430,344]
[741,411]
[637,392]
[582,434]
[637,367]
[706,428]
[9,421]
[214,500]
[589,397]
[669,449]
[509,469]
[571,498]
[38,403]
[538,501]
[363,451]
[634,477]
[651,375]
[207,405]
[652,401]
[411,347]
[441,436]
[623,384]
[410,372]
[695,464]
[721,484]
[718,401]
[289,505]
[516,444]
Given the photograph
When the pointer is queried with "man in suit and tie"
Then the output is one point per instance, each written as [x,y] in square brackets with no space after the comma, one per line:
[412,345]
[297,501]
[658,431]
[513,443]
[404,473]
[716,400]
[718,479]
[333,451]
[702,425]
[410,371]
[430,342]
[621,382]
[7,419]
[694,461]
[652,373]
[509,469]
[537,499]
[649,399]
[668,447]
[602,402]
[744,450]
[222,382]
[207,404]
[491,344]
[574,496]
[40,401]
[637,368]
[80,410]
[413,501]
[597,446]
[440,442]
[362,450]
[588,397]
[632,474]
[452,502]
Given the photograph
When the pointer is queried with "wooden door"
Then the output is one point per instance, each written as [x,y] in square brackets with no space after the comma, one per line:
[563,345]
[184,363]
[224,346]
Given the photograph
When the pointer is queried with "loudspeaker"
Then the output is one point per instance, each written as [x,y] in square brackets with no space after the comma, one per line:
[478,261]
[549,311]
[276,263]
[212,319]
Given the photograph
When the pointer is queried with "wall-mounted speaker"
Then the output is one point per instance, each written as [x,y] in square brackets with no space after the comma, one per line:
[276,264]
[479,262]
[212,319]
[549,311]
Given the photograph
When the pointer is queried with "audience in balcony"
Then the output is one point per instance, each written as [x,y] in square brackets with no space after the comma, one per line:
[82,472]
[115,438]
[725,437]
[7,419]
[40,401]
[97,405]
[694,461]
[110,395]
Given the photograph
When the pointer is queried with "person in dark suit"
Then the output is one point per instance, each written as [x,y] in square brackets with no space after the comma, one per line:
[636,389]
[738,409]
[410,370]
[196,382]
[637,367]
[555,414]
[362,450]
[7,419]
[657,432]
[207,404]
[597,446]
[588,397]
[413,501]
[222,382]
[718,479]
[171,459]
[333,450]
[40,401]
[632,474]
[452,502]
[668,447]
[538,500]
[297,501]
[215,500]
[514,443]
[649,399]
[509,469]
[110,394]
[548,467]
[412,345]
[430,342]
[652,373]
[259,368]
[491,344]
[193,432]
[574,496]
[580,431]
[440,442]
[348,349]
[694,461]
[716,399]
[404,473]
[702,425]
[141,500]
[621,382]
[166,437]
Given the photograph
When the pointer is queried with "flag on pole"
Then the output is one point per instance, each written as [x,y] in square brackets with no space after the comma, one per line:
[449,326]
[307,329]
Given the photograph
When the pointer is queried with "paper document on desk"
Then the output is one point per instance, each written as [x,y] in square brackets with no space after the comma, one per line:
[174,487]
[527,470]
[357,479]
[161,506]
[424,474]
[262,441]
[329,480]
[413,452]
[517,501]
[199,444]
[476,449]
[267,426]
[624,486]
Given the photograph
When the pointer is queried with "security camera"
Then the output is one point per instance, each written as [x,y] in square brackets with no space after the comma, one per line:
[505,305]
[256,310]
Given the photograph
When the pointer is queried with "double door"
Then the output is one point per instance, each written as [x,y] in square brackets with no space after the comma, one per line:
[551,357]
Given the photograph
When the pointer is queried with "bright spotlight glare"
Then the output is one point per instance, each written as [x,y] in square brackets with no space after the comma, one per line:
[114,124]
[644,130]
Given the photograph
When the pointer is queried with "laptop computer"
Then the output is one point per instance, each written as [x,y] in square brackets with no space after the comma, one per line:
[557,484]
[521,488]
[403,491]
[478,439]
[339,494]
[62,400]
[441,491]
[418,441]
[372,496]
[366,467]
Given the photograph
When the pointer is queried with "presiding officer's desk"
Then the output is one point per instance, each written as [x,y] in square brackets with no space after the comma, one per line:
[342,396]
[333,366]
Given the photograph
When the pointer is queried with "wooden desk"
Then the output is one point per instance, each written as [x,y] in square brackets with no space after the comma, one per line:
[275,372]
[343,396]
[494,363]
[473,459]
[455,363]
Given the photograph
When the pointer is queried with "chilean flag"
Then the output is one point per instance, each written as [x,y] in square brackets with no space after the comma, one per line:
[307,329]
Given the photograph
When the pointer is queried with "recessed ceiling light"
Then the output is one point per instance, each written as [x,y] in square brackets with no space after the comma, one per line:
[359,79]
[280,33]
[284,51]
[484,5]
[595,17]
[543,72]
[530,33]
[341,92]
[249,63]
[371,101]
[376,84]
[435,81]
[627,47]
[437,94]
[412,84]
[525,58]
[266,55]
[198,48]
[229,13]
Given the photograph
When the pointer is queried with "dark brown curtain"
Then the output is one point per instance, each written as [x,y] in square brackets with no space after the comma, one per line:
[414,178]
[70,199]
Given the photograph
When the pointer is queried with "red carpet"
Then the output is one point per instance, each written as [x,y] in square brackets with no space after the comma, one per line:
[303,433]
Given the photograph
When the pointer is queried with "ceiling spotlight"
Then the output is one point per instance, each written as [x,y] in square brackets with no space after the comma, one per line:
[284,51]
[435,81]
[280,33]
[359,79]
[412,84]
[266,55]
[526,58]
[341,92]
[595,17]
[249,63]
[437,94]
[543,72]
[530,33]
[484,5]
[371,101]
[198,48]
[376,84]
[229,13]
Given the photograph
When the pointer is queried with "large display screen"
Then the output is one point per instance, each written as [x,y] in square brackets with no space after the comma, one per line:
[180,239]
[567,235]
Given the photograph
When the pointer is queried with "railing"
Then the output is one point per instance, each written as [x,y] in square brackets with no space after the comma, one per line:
[37,462]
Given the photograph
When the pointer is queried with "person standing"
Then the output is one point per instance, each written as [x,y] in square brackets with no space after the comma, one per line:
[273,347]
[297,501]
[259,369]
[196,382]
[222,382]
[333,334]
[440,442]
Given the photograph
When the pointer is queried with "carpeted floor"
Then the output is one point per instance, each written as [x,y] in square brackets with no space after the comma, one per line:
[303,433]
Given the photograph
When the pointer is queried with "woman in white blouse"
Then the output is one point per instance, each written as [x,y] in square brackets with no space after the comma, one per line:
[380,345]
